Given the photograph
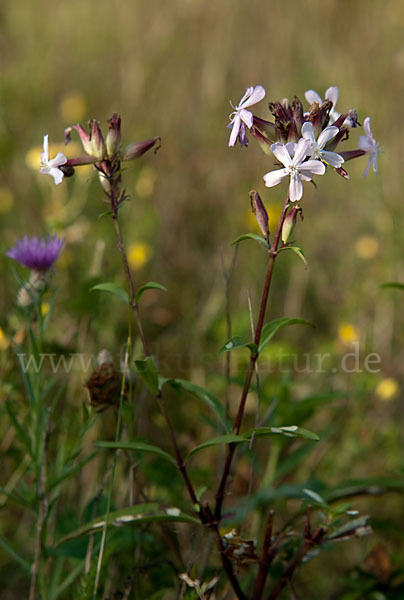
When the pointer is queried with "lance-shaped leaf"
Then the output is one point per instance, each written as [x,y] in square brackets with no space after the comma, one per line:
[269,330]
[229,438]
[133,515]
[148,372]
[237,342]
[148,286]
[393,285]
[112,288]
[251,236]
[139,447]
[207,397]
[297,251]
[292,431]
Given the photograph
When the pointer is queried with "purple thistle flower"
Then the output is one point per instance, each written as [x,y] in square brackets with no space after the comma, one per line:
[36,254]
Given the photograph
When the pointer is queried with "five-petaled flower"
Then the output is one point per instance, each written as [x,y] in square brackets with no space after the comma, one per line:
[297,168]
[51,167]
[316,150]
[241,117]
[35,253]
[368,144]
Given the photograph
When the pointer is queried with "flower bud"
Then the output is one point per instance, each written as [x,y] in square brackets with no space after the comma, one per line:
[260,213]
[113,139]
[97,141]
[289,223]
[31,291]
[137,149]
[84,137]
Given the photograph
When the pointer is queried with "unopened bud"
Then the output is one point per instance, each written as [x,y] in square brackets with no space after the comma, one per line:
[113,139]
[31,291]
[341,171]
[97,141]
[260,213]
[289,223]
[137,149]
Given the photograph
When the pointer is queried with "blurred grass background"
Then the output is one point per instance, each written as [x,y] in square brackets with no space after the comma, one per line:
[170,69]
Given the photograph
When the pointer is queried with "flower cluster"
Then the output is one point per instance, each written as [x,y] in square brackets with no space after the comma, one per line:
[303,143]
[105,154]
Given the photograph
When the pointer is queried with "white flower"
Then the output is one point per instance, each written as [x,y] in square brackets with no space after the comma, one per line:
[317,147]
[241,115]
[50,167]
[295,167]
[370,146]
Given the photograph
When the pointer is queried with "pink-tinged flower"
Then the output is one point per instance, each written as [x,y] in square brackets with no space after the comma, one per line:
[241,117]
[368,144]
[297,168]
[36,254]
[51,166]
[331,94]
[316,149]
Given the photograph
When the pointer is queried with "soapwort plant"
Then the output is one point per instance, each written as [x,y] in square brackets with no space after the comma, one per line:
[304,145]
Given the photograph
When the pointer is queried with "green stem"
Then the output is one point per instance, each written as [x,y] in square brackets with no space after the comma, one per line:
[253,359]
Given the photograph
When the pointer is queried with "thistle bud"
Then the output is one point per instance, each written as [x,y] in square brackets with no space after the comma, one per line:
[113,139]
[260,213]
[289,223]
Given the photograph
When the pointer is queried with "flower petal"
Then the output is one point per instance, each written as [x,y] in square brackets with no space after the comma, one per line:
[57,175]
[45,153]
[332,94]
[274,177]
[280,151]
[364,143]
[312,96]
[291,148]
[326,135]
[247,94]
[307,132]
[256,95]
[302,150]
[60,159]
[247,117]
[332,158]
[235,130]
[295,188]
[366,126]
[366,171]
[312,167]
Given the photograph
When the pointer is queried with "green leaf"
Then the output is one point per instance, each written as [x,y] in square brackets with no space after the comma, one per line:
[69,472]
[251,236]
[207,397]
[237,342]
[138,446]
[133,515]
[229,438]
[269,330]
[314,497]
[298,252]
[148,286]
[398,286]
[113,288]
[148,372]
[292,431]
[19,429]
[14,554]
